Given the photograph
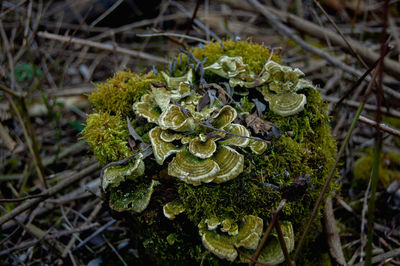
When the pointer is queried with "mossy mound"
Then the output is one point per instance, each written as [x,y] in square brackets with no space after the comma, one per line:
[220,103]
[388,168]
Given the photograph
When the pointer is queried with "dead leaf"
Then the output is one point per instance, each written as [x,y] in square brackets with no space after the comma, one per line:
[203,102]
[257,124]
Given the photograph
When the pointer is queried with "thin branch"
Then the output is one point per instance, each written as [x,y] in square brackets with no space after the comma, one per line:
[107,47]
[267,232]
[378,142]
[337,159]
[390,66]
[183,36]
[189,26]
[341,35]
[282,242]
[24,198]
[50,192]
[29,140]
[381,126]
[98,231]
[382,257]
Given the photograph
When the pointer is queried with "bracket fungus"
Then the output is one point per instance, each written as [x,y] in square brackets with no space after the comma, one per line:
[224,245]
[173,208]
[134,199]
[204,151]
[114,175]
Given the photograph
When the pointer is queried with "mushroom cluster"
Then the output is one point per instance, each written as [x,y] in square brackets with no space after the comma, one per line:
[203,140]
[223,238]
[278,84]
[202,153]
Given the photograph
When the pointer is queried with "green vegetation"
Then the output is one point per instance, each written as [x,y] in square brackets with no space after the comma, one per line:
[294,165]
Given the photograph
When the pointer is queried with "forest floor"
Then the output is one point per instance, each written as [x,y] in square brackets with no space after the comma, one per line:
[53,51]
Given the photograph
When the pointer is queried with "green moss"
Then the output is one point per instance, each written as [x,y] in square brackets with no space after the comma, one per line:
[305,150]
[107,136]
[242,196]
[118,93]
[253,54]
[388,168]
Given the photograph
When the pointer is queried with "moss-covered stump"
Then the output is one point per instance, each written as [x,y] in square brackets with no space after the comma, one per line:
[206,149]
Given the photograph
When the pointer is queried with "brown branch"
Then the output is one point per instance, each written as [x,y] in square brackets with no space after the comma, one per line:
[24,198]
[50,192]
[351,49]
[333,168]
[332,234]
[381,126]
[267,232]
[107,47]
[390,66]
[282,242]
[196,8]
[30,141]
[356,104]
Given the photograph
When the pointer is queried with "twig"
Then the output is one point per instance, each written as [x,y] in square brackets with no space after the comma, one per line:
[341,35]
[27,244]
[24,198]
[107,47]
[381,126]
[381,257]
[273,20]
[378,227]
[196,21]
[115,251]
[332,234]
[129,27]
[267,232]
[98,231]
[189,26]
[11,92]
[183,36]
[390,66]
[378,143]
[36,158]
[355,85]
[332,171]
[106,13]
[282,242]
[368,107]
[50,192]
[60,53]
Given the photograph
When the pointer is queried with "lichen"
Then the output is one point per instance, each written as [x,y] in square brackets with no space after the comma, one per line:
[207,160]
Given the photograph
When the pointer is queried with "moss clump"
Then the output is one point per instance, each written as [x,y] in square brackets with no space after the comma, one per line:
[294,166]
[254,55]
[107,136]
[388,168]
[117,94]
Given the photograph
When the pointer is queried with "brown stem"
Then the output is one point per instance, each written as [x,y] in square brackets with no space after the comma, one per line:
[282,242]
[29,141]
[267,232]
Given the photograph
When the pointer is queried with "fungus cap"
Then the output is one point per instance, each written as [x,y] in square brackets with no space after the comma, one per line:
[192,169]
[161,149]
[202,149]
[173,208]
[116,174]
